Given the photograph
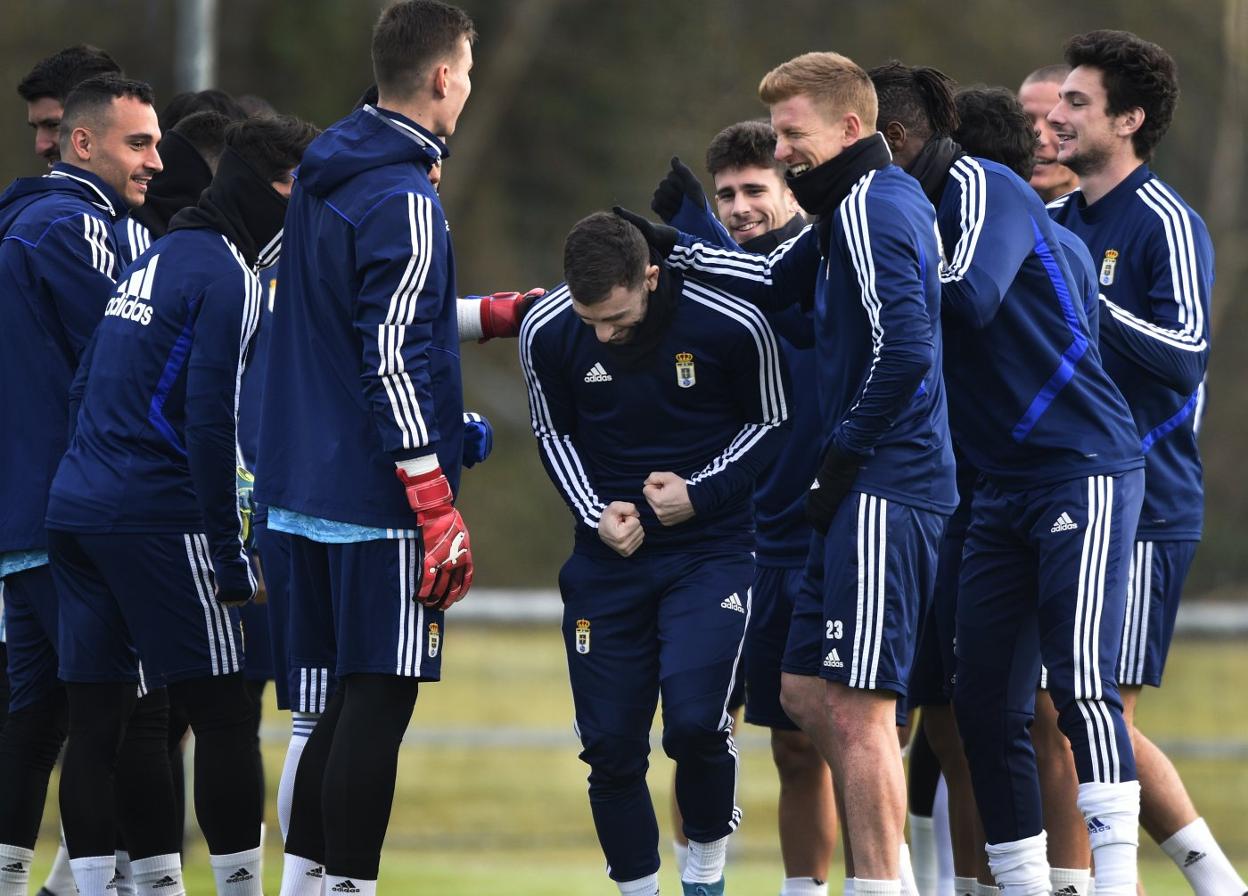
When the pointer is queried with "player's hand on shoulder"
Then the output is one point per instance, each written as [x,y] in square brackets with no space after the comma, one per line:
[502,312]
[235,584]
[620,528]
[668,496]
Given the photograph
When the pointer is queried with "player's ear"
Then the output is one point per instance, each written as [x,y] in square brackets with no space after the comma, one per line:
[895,134]
[652,277]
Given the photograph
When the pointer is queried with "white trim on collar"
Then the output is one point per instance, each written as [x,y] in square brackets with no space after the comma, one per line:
[105,204]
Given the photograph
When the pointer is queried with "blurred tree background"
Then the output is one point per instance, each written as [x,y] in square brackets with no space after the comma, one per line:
[579,104]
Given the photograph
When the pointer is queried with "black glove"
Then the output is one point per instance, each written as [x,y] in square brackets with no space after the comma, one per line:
[660,237]
[678,185]
[835,480]
[235,585]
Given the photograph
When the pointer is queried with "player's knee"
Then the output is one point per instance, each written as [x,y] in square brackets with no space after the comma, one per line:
[214,704]
[690,734]
[795,757]
[33,735]
[615,763]
[801,698]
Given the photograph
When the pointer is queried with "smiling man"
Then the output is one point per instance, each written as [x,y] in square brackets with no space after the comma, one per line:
[1038,95]
[656,403]
[58,263]
[1155,263]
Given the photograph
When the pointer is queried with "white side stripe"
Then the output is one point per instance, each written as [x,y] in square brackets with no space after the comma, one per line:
[970,176]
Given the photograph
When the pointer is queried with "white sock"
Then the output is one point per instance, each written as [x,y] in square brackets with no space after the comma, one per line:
[923,853]
[301,725]
[238,874]
[14,869]
[264,832]
[908,885]
[1021,867]
[943,838]
[964,886]
[847,888]
[982,889]
[642,886]
[706,861]
[1069,881]
[681,851]
[866,887]
[349,886]
[1091,885]
[302,877]
[1112,814]
[123,877]
[803,886]
[60,880]
[93,874]
[158,876]
[1202,861]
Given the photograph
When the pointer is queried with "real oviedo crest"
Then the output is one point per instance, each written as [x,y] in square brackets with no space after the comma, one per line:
[685,374]
[434,639]
[582,636]
[1107,267]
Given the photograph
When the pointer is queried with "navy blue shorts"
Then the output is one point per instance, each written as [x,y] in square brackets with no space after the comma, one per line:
[775,592]
[30,618]
[935,667]
[1154,588]
[273,549]
[352,610]
[150,592]
[868,582]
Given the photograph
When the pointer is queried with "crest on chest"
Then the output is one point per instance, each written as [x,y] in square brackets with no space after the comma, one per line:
[686,375]
[1108,265]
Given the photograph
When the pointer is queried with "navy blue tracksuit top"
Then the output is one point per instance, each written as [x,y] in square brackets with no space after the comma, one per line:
[363,353]
[1029,402]
[708,402]
[1154,261]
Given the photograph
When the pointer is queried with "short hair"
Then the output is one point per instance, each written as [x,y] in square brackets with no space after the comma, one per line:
[1135,72]
[918,98]
[1048,74]
[830,79]
[94,96]
[270,144]
[601,252]
[993,125]
[64,70]
[746,144]
[206,132]
[411,36]
[254,105]
[192,101]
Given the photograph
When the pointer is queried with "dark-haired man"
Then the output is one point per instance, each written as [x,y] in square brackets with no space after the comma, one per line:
[375,533]
[656,404]
[1155,263]
[144,522]
[59,259]
[46,86]
[191,152]
[759,212]
[1038,95]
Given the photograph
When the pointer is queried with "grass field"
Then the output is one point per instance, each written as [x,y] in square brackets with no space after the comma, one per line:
[491,797]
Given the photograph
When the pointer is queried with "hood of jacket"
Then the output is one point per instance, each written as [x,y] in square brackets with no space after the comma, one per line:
[178,186]
[366,139]
[65,180]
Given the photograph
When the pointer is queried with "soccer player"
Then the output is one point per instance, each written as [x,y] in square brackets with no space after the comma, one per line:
[656,404]
[364,343]
[885,482]
[58,262]
[759,212]
[1038,94]
[1155,265]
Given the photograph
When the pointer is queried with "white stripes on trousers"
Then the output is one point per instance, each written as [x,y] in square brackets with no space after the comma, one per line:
[411,611]
[1135,620]
[872,577]
[222,652]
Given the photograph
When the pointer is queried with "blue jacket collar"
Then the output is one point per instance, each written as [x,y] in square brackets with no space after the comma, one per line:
[99,194]
[413,131]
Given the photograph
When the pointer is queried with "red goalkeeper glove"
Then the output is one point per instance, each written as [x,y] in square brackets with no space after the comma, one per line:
[446,562]
[502,312]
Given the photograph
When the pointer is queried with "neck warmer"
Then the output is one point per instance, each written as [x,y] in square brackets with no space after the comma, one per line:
[660,309]
[178,186]
[931,166]
[241,206]
[771,240]
[820,190]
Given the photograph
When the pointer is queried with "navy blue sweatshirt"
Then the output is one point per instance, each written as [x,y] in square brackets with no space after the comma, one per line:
[707,401]
[58,265]
[876,297]
[363,358]
[154,444]
[1155,266]
[1029,402]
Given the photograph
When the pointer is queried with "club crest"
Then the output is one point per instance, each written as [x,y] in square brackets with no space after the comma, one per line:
[1107,267]
[685,374]
[582,636]
[434,639]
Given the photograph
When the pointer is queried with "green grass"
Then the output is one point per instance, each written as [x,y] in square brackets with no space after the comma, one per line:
[477,814]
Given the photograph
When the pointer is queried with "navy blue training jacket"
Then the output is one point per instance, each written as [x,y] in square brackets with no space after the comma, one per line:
[1154,262]
[363,357]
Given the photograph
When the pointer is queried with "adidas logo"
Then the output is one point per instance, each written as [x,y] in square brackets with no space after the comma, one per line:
[14,868]
[347,886]
[1096,826]
[1072,890]
[597,374]
[318,872]
[165,881]
[733,602]
[242,875]
[1064,523]
[1192,858]
[833,661]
